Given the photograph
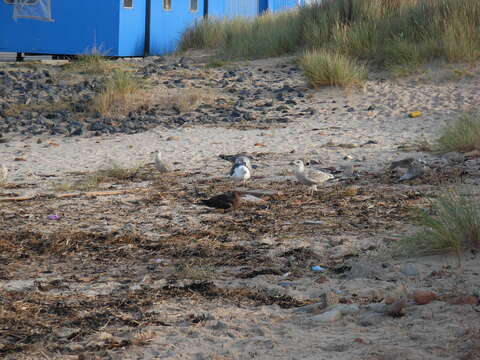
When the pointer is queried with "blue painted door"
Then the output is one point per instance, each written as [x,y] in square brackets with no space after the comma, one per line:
[168,20]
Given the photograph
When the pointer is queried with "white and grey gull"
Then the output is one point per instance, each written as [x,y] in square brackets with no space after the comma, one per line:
[312,177]
[241,170]
[161,164]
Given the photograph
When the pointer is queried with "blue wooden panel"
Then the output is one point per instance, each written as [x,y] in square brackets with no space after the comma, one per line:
[77,27]
[244,8]
[279,5]
[132,29]
[167,26]
[263,4]
[235,8]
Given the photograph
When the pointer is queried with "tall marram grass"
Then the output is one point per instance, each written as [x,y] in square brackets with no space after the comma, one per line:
[119,95]
[384,33]
[453,225]
[461,135]
[262,36]
[322,67]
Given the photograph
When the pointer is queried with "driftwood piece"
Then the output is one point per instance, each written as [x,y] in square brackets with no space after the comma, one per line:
[71,195]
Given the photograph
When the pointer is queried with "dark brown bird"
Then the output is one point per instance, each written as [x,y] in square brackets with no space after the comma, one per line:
[229,200]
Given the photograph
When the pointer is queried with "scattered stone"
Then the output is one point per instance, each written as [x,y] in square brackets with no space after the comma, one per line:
[369,319]
[464,300]
[313,222]
[219,326]
[454,156]
[424,297]
[329,316]
[66,332]
[377,307]
[347,309]
[409,270]
[251,199]
[396,309]
[315,309]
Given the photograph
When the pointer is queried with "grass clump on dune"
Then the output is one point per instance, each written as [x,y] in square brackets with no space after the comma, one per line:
[119,95]
[454,226]
[462,135]
[323,67]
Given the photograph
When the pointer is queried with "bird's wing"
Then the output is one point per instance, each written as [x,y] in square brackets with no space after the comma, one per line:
[319,177]
[232,169]
[303,179]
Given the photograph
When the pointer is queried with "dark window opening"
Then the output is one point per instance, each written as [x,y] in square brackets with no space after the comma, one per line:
[128,3]
[193,5]
[167,4]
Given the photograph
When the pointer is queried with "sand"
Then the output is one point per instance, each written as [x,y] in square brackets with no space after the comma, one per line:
[342,131]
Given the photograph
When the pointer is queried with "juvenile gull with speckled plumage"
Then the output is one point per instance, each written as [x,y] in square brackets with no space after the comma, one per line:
[311,178]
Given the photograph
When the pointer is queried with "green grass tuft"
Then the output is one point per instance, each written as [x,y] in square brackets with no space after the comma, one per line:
[454,226]
[119,95]
[462,135]
[89,64]
[322,68]
[117,172]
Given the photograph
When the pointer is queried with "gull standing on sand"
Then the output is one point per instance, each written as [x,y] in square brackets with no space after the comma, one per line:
[415,168]
[3,173]
[241,170]
[160,164]
[312,178]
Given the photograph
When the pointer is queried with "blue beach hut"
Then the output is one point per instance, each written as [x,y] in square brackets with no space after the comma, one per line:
[112,27]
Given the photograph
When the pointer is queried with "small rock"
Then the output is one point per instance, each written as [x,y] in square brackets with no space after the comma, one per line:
[66,332]
[409,270]
[286,284]
[315,309]
[377,307]
[347,309]
[313,222]
[172,138]
[396,309]
[453,156]
[423,297]
[369,319]
[251,199]
[219,326]
[464,300]
[329,316]
[75,347]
